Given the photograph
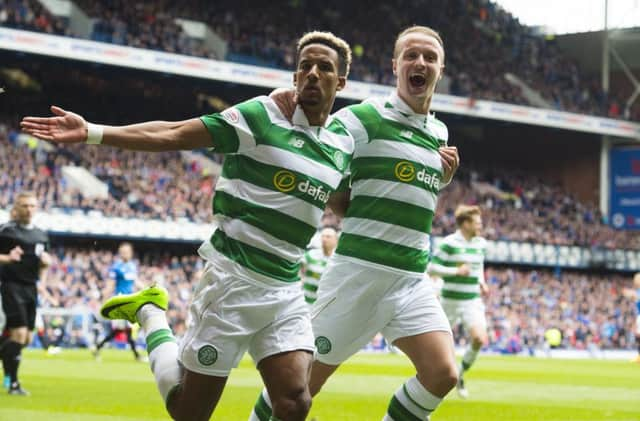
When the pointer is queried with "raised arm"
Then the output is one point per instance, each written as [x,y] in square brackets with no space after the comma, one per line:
[69,127]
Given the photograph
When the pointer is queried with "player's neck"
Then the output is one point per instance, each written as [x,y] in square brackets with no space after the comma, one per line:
[317,114]
[327,251]
[418,105]
[467,236]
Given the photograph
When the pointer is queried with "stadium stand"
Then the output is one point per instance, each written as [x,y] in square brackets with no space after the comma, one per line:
[485,45]
[31,15]
[587,308]
[165,186]
[520,207]
[135,181]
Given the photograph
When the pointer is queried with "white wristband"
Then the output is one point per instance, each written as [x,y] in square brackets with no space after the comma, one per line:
[94,134]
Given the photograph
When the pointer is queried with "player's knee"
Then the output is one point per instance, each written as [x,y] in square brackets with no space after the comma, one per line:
[292,406]
[447,377]
[478,342]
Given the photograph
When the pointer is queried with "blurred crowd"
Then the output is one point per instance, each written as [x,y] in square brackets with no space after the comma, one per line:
[149,25]
[519,206]
[516,206]
[32,16]
[483,42]
[77,278]
[588,309]
[161,186]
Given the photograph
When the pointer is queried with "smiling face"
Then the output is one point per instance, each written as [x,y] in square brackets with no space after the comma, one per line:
[316,79]
[418,65]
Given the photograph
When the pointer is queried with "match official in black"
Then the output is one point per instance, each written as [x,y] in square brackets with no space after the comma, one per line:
[23,258]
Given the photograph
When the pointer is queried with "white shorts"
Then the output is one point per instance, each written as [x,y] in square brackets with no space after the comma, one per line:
[468,312]
[638,325]
[230,315]
[357,300]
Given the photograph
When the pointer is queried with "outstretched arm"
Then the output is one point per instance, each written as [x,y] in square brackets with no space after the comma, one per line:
[69,127]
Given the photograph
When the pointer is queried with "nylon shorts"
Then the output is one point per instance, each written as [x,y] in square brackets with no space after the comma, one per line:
[19,302]
[230,315]
[468,312]
[357,300]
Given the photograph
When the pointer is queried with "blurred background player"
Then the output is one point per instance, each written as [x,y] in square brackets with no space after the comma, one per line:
[123,279]
[23,258]
[315,261]
[459,261]
[634,294]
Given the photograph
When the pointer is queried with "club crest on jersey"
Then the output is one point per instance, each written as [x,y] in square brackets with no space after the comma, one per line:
[338,158]
[231,115]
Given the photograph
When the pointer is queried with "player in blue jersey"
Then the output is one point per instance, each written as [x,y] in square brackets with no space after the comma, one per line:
[634,294]
[123,279]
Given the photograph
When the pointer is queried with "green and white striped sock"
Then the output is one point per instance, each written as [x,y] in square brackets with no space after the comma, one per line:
[411,402]
[262,409]
[469,358]
[162,349]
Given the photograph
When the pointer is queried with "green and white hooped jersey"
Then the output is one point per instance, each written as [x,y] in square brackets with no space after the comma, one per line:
[313,264]
[275,183]
[453,251]
[395,180]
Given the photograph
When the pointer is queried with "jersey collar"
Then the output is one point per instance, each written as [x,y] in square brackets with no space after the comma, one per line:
[398,103]
[300,118]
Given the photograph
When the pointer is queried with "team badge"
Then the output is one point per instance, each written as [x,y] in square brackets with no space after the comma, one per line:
[207,355]
[323,345]
[338,157]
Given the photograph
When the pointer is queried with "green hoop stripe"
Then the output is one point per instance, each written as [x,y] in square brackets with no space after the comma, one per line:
[159,337]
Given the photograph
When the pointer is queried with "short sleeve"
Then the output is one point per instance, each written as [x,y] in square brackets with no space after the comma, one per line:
[238,128]
[360,120]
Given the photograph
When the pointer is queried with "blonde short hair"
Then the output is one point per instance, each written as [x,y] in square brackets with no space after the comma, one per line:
[421,30]
[327,38]
[464,213]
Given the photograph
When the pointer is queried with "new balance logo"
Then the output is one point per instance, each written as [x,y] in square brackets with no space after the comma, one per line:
[296,143]
[406,133]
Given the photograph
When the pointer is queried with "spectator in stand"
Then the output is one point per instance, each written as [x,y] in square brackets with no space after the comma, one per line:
[589,310]
[486,41]
[517,206]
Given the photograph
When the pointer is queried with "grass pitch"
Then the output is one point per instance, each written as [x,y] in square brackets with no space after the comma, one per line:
[73,387]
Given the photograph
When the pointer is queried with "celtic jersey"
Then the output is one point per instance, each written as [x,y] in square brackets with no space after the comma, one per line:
[453,251]
[396,176]
[275,183]
[313,265]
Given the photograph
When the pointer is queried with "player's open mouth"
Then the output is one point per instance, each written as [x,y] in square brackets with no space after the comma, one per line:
[417,80]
